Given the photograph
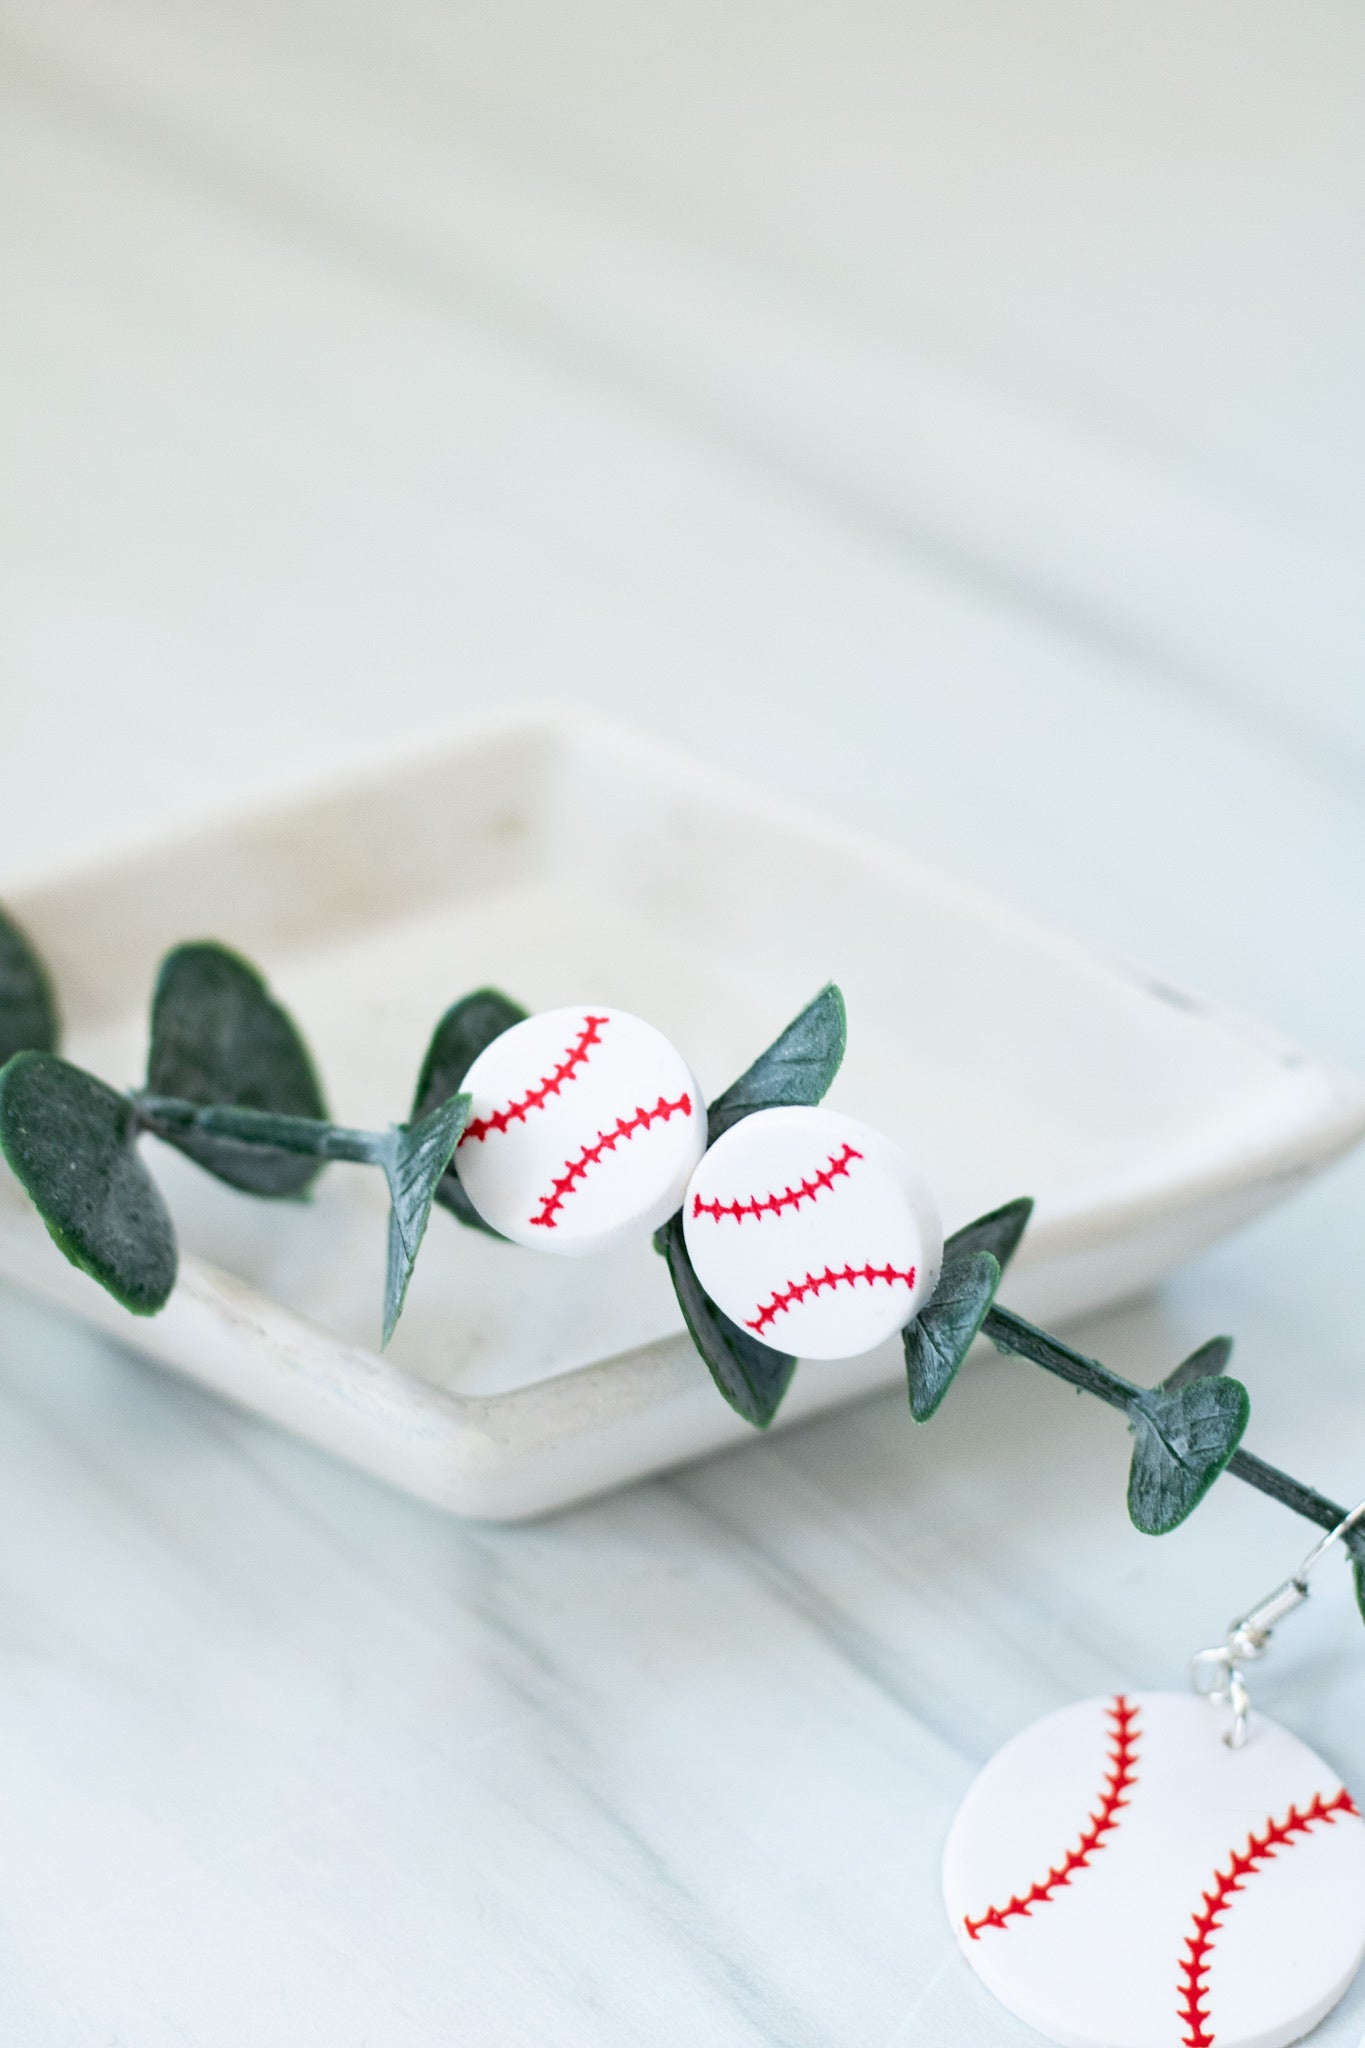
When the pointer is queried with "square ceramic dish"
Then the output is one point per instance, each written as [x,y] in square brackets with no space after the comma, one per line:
[568,861]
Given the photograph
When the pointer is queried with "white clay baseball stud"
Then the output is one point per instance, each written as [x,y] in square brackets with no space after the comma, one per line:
[1120,1878]
[584,1127]
[813,1232]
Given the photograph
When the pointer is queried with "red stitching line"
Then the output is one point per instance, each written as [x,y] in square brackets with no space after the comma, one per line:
[1192,1989]
[536,1098]
[790,1198]
[626,1127]
[1124,1733]
[841,1276]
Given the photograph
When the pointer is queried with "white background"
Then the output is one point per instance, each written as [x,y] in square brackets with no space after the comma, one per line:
[953,418]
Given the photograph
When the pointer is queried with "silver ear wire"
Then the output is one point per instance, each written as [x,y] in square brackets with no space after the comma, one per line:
[1216,1674]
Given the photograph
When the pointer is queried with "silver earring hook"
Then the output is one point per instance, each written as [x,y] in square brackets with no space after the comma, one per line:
[1217,1673]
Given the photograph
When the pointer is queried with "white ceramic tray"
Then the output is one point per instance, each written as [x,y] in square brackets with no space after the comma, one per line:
[568,861]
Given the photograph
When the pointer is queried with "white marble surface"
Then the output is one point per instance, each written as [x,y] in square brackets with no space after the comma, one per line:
[951,415]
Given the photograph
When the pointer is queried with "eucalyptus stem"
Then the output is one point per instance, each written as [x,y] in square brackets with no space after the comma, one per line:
[1291,1493]
[1011,1333]
[310,1136]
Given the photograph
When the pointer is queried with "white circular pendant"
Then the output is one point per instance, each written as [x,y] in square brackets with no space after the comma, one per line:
[812,1231]
[1120,1878]
[584,1127]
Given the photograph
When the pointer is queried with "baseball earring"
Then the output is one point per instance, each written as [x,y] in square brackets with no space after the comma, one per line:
[584,1128]
[1124,1874]
[810,1230]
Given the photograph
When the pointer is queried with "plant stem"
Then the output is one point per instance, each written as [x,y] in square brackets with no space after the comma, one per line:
[160,1114]
[1011,1333]
[1304,1500]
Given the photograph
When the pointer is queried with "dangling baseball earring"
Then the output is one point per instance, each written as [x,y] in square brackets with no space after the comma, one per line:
[1123,1874]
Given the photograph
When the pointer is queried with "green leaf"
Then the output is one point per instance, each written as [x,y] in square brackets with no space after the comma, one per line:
[218,1036]
[1184,1439]
[797,1067]
[414,1162]
[462,1034]
[997,1233]
[28,1008]
[451,1196]
[71,1143]
[1206,1363]
[1359,1568]
[752,1377]
[467,1029]
[941,1335]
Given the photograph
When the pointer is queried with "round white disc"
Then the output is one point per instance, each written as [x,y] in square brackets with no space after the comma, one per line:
[584,1127]
[1120,1878]
[812,1231]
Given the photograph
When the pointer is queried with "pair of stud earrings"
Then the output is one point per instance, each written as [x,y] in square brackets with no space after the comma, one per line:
[808,1229]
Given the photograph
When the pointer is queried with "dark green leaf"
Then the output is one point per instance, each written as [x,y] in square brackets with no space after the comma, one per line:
[997,1233]
[419,1155]
[451,1195]
[218,1036]
[797,1067]
[752,1377]
[942,1334]
[466,1028]
[1206,1363]
[70,1141]
[1359,1568]
[1183,1440]
[28,1008]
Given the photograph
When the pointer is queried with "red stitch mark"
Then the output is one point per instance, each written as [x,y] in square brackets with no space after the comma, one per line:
[1192,1990]
[833,1276]
[790,1198]
[479,1127]
[626,1127]
[1123,1730]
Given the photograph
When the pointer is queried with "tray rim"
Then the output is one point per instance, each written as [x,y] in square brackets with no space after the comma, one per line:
[478,1433]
